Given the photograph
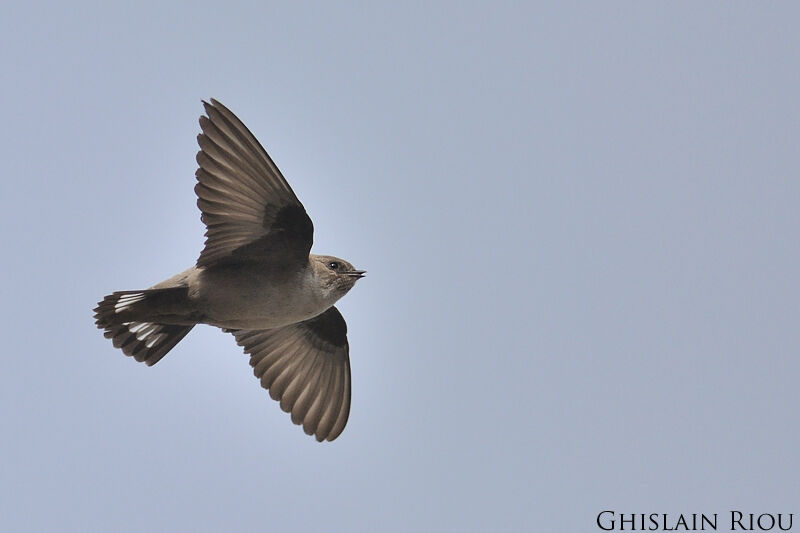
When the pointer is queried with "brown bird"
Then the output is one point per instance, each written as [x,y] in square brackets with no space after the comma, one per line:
[256,279]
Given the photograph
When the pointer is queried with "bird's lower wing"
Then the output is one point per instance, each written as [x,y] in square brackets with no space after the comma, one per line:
[306,367]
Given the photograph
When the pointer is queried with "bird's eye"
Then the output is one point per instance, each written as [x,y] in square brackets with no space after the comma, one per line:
[334,265]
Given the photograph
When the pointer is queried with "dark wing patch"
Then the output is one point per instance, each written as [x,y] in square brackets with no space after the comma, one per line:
[250,211]
[290,225]
[328,328]
[306,367]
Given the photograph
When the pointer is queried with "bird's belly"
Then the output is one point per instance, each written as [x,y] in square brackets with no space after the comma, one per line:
[253,301]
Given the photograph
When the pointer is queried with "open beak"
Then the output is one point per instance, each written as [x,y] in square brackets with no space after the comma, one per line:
[358,274]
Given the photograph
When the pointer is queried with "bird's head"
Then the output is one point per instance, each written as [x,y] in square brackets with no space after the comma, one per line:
[336,276]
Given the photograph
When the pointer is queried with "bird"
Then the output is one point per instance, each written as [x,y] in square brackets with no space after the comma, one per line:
[255,278]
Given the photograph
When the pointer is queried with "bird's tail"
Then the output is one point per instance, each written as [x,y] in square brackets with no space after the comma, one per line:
[135,321]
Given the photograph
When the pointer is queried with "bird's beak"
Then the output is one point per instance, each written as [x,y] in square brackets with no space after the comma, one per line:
[358,274]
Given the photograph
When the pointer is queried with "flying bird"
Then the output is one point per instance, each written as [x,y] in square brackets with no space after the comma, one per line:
[255,278]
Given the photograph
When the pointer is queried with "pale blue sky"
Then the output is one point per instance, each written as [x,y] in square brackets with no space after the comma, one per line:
[580,222]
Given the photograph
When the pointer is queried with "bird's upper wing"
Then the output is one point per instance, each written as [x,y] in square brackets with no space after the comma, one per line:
[306,367]
[250,211]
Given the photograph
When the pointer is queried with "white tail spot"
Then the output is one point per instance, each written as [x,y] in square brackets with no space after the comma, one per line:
[136,326]
[127,300]
[143,329]
[154,339]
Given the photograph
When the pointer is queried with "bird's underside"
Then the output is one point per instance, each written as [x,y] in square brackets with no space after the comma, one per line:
[258,242]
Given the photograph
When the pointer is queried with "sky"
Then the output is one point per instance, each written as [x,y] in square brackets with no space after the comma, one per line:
[580,222]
